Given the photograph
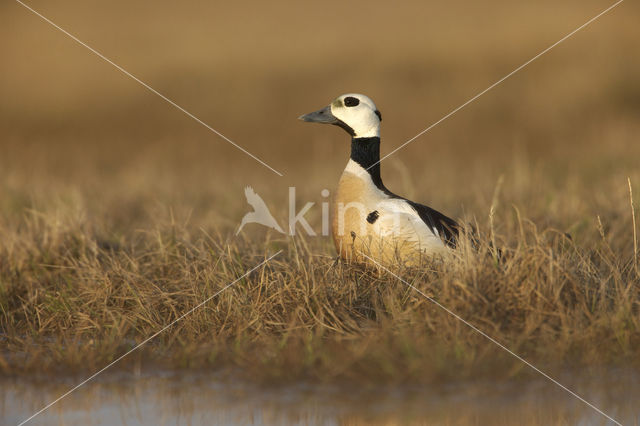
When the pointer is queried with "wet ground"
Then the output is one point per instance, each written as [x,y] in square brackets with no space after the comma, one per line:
[202,398]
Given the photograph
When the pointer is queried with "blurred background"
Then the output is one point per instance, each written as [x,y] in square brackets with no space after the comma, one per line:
[84,146]
[76,132]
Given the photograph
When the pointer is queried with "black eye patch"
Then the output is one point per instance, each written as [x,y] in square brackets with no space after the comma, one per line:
[350,101]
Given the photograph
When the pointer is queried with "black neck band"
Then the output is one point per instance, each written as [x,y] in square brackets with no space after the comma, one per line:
[366,152]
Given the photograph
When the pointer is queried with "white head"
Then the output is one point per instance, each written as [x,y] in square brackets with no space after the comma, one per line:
[355,113]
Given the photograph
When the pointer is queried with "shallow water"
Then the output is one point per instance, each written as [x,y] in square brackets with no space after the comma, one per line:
[201,398]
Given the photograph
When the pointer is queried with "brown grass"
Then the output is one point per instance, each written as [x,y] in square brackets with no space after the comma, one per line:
[72,298]
[118,214]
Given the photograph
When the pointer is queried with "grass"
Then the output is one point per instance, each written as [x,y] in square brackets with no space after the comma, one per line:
[74,299]
[117,214]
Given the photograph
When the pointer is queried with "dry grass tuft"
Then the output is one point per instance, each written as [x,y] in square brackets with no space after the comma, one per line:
[118,213]
[74,299]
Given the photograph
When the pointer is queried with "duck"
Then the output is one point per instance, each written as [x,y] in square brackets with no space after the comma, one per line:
[369,222]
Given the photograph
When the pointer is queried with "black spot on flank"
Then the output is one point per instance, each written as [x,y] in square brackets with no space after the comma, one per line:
[378,114]
[373,216]
[350,101]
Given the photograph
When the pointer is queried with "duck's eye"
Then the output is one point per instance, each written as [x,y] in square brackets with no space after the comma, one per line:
[350,101]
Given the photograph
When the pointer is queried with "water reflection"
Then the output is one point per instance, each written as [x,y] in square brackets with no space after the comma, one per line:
[196,398]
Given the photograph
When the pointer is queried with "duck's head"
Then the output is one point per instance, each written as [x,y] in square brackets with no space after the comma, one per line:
[355,113]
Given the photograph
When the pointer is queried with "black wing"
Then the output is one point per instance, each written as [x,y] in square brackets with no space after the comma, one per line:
[447,228]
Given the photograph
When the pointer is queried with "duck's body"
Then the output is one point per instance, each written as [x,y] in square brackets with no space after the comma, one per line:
[368,219]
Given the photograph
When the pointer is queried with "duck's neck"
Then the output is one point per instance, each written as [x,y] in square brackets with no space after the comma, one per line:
[366,152]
